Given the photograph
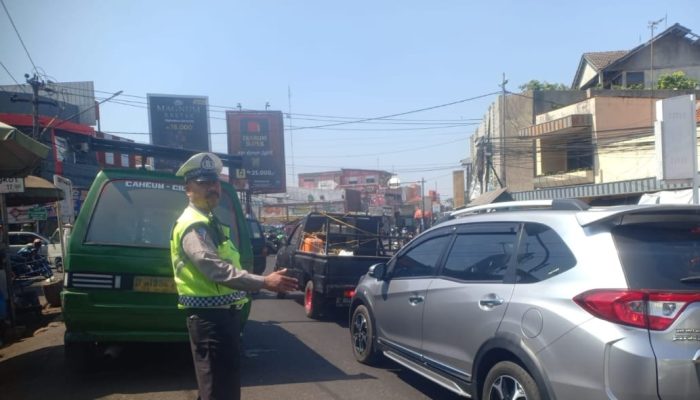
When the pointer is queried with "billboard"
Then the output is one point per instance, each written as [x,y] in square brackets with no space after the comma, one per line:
[675,138]
[258,137]
[180,122]
[72,101]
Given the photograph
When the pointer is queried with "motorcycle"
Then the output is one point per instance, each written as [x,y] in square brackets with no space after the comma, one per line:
[27,266]
[274,240]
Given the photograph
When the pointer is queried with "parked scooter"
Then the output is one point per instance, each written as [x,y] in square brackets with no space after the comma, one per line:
[28,263]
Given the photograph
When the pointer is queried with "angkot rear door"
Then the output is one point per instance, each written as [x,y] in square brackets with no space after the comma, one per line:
[661,259]
[119,277]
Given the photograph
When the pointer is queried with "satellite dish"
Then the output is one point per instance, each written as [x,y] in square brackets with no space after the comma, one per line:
[394,182]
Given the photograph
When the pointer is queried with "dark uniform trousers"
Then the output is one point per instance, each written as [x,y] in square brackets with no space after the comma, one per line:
[215,342]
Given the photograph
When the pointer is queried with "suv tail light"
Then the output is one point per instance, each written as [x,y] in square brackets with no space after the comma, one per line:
[647,309]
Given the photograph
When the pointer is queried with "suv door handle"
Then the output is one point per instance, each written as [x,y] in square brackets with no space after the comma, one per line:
[415,300]
[492,302]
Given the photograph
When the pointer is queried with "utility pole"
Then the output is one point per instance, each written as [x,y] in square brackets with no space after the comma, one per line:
[467,198]
[652,25]
[422,204]
[37,85]
[487,154]
[503,129]
[291,130]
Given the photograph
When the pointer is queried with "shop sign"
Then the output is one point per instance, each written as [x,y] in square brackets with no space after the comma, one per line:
[11,185]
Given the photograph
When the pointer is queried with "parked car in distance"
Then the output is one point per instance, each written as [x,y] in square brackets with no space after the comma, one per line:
[564,302]
[257,240]
[51,248]
[57,248]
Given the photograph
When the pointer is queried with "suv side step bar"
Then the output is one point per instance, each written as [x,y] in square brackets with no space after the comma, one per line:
[421,369]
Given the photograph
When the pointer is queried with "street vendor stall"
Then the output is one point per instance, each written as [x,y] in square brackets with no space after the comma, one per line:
[19,156]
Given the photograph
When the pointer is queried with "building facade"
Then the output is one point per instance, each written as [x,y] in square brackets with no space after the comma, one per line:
[554,144]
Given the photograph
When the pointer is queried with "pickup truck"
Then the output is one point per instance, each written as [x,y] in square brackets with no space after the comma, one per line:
[328,253]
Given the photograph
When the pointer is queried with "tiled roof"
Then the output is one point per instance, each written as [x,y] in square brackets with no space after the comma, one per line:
[602,59]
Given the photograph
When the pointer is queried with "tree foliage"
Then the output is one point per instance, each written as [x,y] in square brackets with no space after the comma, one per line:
[676,80]
[534,84]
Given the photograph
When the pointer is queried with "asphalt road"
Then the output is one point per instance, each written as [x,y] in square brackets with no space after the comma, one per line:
[286,356]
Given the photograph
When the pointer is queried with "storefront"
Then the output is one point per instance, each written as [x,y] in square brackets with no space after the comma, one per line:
[19,156]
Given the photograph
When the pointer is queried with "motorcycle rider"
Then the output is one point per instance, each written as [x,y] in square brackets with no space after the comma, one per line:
[34,261]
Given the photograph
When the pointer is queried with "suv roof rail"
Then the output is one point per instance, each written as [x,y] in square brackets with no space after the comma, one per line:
[570,204]
[557,204]
[502,206]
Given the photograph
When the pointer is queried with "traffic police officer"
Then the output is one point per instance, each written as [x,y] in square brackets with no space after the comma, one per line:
[211,283]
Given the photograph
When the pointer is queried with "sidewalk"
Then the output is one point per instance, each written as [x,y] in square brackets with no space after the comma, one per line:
[30,320]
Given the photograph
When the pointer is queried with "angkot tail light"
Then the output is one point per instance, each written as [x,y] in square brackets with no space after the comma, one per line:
[647,309]
[349,293]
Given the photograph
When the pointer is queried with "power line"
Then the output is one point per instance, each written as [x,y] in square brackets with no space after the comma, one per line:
[394,129]
[431,125]
[554,103]
[398,122]
[390,119]
[18,35]
[8,73]
[399,114]
[375,120]
[390,152]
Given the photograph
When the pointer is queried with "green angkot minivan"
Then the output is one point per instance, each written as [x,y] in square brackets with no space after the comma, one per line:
[118,282]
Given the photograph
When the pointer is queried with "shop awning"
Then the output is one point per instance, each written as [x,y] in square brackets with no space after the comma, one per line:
[493,196]
[19,154]
[36,191]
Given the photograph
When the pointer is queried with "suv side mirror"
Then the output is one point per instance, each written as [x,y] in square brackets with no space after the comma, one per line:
[377,271]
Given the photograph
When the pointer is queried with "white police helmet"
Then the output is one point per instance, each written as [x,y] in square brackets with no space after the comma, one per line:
[201,167]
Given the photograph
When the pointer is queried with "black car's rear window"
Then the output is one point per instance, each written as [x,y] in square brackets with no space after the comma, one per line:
[142,213]
[660,255]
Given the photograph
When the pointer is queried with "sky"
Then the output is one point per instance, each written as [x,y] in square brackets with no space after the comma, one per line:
[323,62]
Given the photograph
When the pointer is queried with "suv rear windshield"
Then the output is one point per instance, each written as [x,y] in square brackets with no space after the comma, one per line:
[142,213]
[660,255]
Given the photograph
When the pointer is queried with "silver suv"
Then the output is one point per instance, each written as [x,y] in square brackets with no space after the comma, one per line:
[568,302]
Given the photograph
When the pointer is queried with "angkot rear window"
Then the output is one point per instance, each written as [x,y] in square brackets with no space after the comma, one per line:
[142,213]
[660,255]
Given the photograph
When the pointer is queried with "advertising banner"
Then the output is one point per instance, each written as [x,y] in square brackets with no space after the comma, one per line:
[66,206]
[180,122]
[675,138]
[258,137]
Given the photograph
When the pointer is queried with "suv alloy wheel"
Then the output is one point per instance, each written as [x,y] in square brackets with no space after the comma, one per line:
[509,381]
[364,348]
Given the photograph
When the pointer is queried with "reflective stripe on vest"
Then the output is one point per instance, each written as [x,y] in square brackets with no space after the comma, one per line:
[212,301]
[195,289]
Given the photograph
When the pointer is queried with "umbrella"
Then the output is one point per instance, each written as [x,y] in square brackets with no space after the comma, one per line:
[36,191]
[19,154]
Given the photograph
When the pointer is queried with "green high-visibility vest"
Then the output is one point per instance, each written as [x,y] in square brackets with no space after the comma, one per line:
[194,289]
